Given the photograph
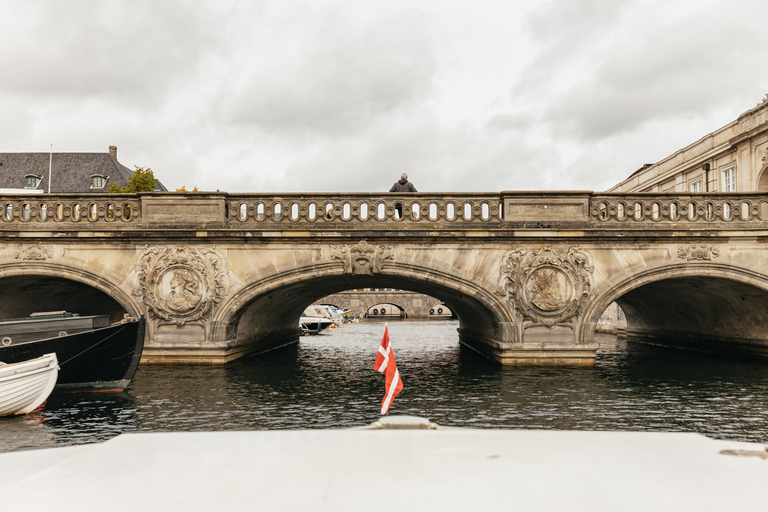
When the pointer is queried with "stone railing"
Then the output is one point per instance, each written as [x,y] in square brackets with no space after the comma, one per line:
[520,210]
[70,208]
[700,208]
[367,208]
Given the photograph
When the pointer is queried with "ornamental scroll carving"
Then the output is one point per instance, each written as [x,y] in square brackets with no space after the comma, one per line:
[549,285]
[34,252]
[362,258]
[697,252]
[181,285]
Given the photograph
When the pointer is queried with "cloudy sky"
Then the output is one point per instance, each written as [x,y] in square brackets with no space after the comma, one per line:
[341,95]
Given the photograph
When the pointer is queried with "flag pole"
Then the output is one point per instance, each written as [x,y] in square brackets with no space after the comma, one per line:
[50,164]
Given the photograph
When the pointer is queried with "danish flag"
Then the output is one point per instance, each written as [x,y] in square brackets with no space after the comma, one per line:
[385,363]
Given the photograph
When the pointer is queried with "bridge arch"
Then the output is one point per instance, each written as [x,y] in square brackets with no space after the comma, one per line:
[441,309]
[265,313]
[386,308]
[42,286]
[707,306]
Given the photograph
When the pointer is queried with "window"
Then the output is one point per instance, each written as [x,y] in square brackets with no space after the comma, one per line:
[32,181]
[696,187]
[98,181]
[729,180]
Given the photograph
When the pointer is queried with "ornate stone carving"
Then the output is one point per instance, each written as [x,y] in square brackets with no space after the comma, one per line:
[181,284]
[35,252]
[550,285]
[697,252]
[362,258]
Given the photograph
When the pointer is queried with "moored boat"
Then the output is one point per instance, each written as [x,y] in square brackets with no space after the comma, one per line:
[24,386]
[313,320]
[93,355]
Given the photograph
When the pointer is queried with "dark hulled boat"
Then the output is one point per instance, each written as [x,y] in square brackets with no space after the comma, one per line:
[93,355]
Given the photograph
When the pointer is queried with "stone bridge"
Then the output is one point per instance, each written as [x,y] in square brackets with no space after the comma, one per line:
[409,304]
[528,274]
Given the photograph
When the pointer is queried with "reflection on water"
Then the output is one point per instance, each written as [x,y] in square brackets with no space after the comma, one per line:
[327,381]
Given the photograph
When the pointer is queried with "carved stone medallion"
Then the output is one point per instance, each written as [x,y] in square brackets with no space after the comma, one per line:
[34,252]
[548,285]
[697,252]
[181,284]
[362,258]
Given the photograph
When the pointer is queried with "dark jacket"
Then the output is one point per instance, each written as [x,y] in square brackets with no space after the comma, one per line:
[403,186]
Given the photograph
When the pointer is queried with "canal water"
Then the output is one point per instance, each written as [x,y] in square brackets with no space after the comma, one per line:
[327,381]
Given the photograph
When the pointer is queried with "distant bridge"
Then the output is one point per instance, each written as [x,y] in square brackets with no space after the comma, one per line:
[407,304]
[527,274]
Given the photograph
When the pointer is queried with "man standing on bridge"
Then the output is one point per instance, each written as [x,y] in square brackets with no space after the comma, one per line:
[402,185]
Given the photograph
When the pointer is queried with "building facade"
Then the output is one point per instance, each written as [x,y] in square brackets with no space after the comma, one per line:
[731,159]
[70,172]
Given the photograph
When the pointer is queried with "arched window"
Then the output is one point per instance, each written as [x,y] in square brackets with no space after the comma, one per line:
[32,180]
[98,180]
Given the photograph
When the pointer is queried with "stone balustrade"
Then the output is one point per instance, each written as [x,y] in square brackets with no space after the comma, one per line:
[70,208]
[301,211]
[645,208]
[410,208]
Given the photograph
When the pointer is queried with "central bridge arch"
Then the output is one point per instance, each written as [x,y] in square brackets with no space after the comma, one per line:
[265,314]
[709,306]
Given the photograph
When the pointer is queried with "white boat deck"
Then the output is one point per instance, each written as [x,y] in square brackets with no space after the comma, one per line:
[443,469]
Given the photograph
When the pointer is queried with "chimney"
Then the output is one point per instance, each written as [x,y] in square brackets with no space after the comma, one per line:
[113,151]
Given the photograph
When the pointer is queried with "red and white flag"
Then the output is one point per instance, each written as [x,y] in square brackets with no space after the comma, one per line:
[385,363]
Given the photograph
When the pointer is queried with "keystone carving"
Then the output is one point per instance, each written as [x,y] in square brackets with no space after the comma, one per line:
[362,258]
[550,285]
[35,252]
[181,284]
[697,252]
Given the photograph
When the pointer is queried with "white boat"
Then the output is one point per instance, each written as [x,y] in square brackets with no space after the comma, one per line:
[330,313]
[26,385]
[313,320]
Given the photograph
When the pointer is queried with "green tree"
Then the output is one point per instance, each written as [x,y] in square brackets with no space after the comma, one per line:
[142,181]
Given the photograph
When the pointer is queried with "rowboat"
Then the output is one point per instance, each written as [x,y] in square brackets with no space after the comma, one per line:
[26,385]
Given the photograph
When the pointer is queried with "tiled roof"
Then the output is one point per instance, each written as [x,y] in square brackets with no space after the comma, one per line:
[70,172]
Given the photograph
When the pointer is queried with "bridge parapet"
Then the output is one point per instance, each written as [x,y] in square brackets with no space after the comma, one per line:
[536,210]
[70,209]
[679,208]
[372,209]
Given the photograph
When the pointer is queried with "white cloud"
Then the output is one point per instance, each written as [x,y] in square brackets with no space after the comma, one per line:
[330,71]
[130,50]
